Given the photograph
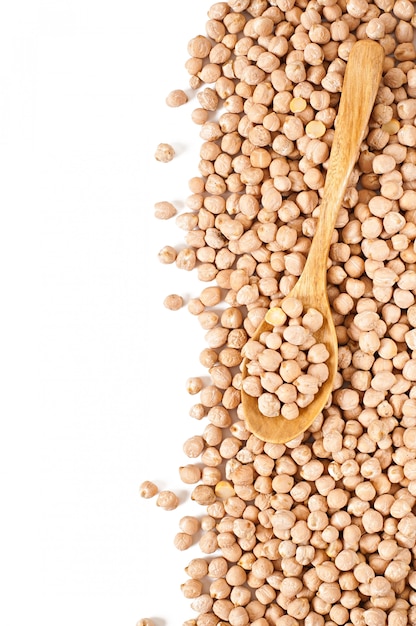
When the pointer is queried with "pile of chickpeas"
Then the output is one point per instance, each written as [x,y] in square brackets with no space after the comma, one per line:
[321,530]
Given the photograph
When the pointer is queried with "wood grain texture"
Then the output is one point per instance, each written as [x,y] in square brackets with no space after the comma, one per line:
[361,82]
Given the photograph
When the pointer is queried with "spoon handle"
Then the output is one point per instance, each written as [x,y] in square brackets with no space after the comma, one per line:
[360,86]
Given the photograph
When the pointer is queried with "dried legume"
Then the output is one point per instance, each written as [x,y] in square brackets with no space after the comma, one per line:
[173,302]
[148,489]
[164,210]
[176,98]
[164,153]
[322,529]
[167,500]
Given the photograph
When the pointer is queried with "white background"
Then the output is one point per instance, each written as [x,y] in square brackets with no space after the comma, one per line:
[93,367]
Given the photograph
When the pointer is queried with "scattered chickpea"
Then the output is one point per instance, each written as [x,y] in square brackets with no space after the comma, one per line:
[182,541]
[194,385]
[189,525]
[190,474]
[167,500]
[176,98]
[164,210]
[167,255]
[173,302]
[192,588]
[148,489]
[164,153]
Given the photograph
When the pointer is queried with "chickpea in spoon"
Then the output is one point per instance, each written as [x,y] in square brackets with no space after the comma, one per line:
[287,365]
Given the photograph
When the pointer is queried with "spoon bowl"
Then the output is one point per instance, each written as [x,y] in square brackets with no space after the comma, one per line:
[278,429]
[361,82]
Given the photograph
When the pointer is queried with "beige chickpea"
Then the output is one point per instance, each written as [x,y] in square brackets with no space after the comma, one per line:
[182,541]
[164,210]
[148,489]
[176,98]
[167,255]
[164,153]
[167,500]
[173,302]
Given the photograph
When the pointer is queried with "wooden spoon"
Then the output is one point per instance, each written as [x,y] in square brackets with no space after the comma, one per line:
[361,82]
